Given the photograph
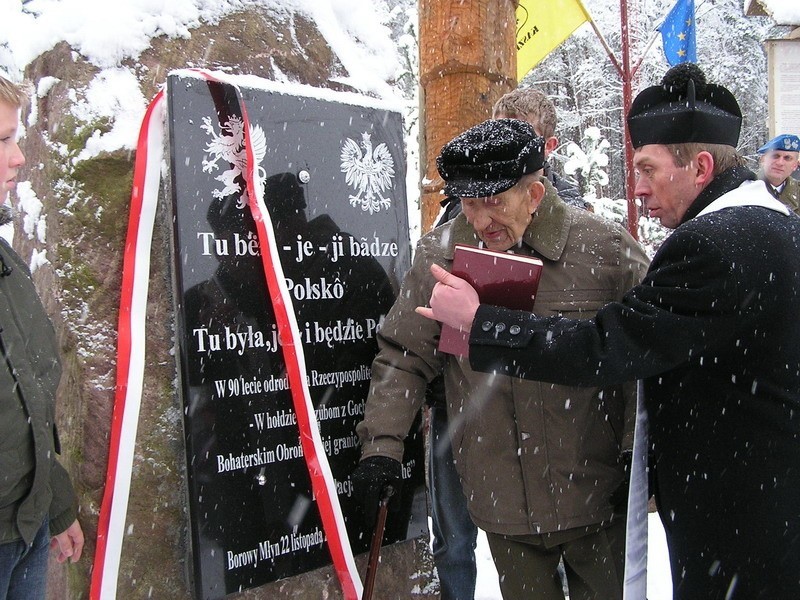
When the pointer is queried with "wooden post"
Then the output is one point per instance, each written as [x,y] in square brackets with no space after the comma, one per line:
[468,59]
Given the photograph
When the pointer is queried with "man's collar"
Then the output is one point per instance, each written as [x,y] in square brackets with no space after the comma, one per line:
[547,234]
[724,182]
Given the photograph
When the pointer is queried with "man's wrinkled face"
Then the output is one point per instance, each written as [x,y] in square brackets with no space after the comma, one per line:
[778,165]
[667,190]
[501,220]
[11,158]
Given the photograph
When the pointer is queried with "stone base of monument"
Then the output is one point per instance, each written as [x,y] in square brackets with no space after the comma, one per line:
[87,202]
[405,571]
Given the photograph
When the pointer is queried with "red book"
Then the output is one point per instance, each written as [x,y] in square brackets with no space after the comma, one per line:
[500,278]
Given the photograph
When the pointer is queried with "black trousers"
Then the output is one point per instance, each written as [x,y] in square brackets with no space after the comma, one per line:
[594,561]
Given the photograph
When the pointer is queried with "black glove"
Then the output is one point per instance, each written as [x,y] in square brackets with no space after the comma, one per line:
[370,480]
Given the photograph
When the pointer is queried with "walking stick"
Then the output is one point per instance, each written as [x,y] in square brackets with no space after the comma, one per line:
[377,540]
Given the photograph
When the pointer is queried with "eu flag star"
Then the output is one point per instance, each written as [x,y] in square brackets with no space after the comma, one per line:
[678,33]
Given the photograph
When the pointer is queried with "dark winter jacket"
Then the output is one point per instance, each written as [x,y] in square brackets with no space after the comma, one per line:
[533,458]
[714,332]
[567,190]
[33,484]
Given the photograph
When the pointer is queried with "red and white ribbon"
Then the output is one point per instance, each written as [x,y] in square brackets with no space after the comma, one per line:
[130,367]
[130,351]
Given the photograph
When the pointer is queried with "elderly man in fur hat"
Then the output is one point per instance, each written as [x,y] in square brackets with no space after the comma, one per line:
[539,464]
[712,332]
[779,158]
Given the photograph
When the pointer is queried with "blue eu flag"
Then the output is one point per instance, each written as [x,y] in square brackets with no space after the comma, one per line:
[678,34]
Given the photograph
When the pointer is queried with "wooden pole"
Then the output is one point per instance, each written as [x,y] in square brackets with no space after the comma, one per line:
[468,59]
[377,540]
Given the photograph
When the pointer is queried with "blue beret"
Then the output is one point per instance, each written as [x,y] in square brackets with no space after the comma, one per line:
[786,142]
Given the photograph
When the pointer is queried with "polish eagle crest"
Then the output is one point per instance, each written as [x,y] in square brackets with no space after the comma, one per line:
[228,147]
[369,171]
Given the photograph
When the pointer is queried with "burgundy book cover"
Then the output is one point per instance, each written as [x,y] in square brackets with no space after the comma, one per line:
[500,278]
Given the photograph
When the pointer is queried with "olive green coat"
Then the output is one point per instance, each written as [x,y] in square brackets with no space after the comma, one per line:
[533,457]
[790,195]
[32,482]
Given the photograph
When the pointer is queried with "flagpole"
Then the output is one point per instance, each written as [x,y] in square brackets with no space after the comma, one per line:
[627,95]
[626,76]
[605,45]
[649,45]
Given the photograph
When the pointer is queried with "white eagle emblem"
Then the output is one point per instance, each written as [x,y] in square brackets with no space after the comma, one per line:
[370,173]
[229,146]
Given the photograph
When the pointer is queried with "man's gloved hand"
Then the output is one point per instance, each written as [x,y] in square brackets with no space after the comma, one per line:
[370,479]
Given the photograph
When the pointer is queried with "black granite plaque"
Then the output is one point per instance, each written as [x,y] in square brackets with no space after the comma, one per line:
[335,191]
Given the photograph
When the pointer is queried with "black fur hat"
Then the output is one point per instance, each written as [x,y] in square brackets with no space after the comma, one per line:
[683,109]
[490,158]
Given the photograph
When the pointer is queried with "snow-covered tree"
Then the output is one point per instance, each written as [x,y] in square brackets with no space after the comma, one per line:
[588,166]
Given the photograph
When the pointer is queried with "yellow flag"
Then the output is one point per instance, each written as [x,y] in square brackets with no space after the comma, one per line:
[541,27]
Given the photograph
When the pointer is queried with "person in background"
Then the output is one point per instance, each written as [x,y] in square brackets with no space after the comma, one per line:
[36,497]
[779,158]
[528,104]
[537,109]
[537,472]
[454,533]
[712,333]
